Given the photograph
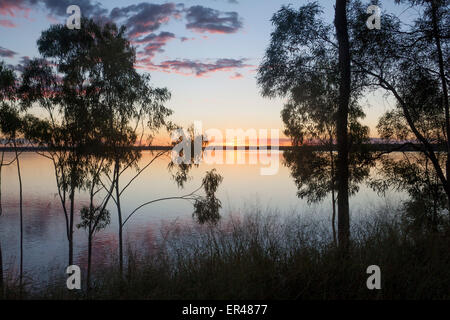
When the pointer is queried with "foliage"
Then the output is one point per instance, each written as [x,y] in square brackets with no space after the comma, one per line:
[409,63]
[301,63]
[7,83]
[10,120]
[314,172]
[413,173]
[264,256]
[96,216]
[206,209]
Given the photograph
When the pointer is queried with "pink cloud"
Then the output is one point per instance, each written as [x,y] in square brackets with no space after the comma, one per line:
[153,44]
[52,19]
[12,7]
[236,76]
[193,67]
[7,23]
[184,39]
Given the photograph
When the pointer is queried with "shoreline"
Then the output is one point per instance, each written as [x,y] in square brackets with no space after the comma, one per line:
[370,147]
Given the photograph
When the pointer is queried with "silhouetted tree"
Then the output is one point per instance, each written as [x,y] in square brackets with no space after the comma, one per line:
[340,22]
[11,125]
[410,63]
[310,119]
[95,101]
[314,173]
[132,110]
[206,208]
[7,79]
[95,217]
[89,101]
[411,172]
[63,131]
[303,50]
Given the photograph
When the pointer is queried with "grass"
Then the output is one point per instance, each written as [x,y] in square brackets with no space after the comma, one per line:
[267,256]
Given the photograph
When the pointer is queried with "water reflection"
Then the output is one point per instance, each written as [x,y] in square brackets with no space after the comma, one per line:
[243,187]
[425,210]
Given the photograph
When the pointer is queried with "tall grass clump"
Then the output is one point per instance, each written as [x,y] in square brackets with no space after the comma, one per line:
[270,256]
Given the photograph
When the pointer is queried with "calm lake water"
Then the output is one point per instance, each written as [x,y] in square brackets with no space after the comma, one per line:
[45,241]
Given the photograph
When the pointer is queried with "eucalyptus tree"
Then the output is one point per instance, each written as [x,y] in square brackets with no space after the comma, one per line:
[11,125]
[7,79]
[60,131]
[131,109]
[206,207]
[340,22]
[91,99]
[71,94]
[309,118]
[96,216]
[409,62]
[123,108]
[302,51]
[96,100]
[314,173]
[410,172]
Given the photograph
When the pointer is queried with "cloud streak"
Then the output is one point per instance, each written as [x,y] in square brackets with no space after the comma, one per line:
[54,7]
[206,20]
[145,18]
[153,44]
[6,53]
[237,76]
[143,21]
[12,7]
[197,68]
[7,23]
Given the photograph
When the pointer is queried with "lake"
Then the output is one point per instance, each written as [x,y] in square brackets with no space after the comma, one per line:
[242,190]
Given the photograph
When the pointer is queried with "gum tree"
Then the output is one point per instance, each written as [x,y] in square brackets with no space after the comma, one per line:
[340,22]
[409,62]
[7,79]
[61,131]
[309,118]
[101,103]
[11,125]
[302,50]
[94,217]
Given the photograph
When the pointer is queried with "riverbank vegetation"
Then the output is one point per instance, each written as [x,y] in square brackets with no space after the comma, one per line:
[262,255]
[95,108]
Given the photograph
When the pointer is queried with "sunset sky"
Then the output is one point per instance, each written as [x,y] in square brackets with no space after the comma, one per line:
[205,52]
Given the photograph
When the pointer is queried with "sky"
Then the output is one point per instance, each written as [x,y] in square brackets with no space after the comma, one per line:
[206,52]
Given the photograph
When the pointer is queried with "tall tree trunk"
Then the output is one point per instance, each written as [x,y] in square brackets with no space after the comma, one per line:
[437,39]
[70,232]
[90,235]
[340,23]
[21,215]
[1,167]
[89,262]
[333,196]
[119,213]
